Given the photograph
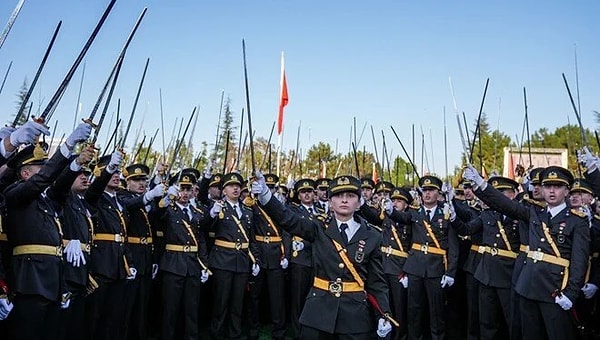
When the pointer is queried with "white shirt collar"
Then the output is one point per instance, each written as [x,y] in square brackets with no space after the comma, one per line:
[555,210]
[352,227]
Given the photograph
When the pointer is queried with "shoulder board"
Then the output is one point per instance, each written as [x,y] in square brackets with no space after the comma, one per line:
[597,217]
[578,213]
[415,207]
[294,204]
[534,202]
[379,229]
[246,207]
[319,209]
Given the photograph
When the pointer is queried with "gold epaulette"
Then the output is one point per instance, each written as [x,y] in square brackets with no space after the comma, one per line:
[540,204]
[579,213]
[322,217]
[379,229]
[416,207]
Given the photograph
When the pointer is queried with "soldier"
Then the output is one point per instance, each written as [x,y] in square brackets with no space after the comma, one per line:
[395,247]
[337,306]
[322,190]
[35,233]
[141,246]
[273,262]
[111,261]
[232,257]
[367,185]
[77,229]
[183,263]
[301,261]
[553,273]
[498,250]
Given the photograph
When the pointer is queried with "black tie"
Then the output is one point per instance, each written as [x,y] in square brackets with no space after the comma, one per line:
[310,210]
[428,214]
[187,214]
[115,202]
[343,228]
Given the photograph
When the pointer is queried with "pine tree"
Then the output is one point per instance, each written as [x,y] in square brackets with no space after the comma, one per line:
[21,95]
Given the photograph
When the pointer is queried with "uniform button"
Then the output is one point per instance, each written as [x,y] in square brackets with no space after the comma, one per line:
[392,238]
[543,239]
[495,244]
[427,234]
[497,235]
[268,233]
[539,249]
[341,265]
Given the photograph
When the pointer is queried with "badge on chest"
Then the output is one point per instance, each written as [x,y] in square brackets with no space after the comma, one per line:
[359,256]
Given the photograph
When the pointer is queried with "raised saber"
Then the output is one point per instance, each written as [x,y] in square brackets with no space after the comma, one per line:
[11,21]
[581,129]
[137,97]
[250,131]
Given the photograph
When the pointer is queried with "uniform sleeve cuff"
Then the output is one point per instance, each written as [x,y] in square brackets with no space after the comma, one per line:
[64,150]
[74,166]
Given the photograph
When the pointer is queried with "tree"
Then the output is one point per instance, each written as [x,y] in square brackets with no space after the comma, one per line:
[226,150]
[21,96]
[488,146]
[567,137]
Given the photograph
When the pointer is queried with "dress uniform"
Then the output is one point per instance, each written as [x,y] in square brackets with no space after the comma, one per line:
[234,254]
[554,270]
[321,195]
[498,250]
[433,256]
[77,226]
[395,246]
[111,260]
[300,252]
[183,264]
[141,245]
[35,233]
[348,271]
[273,261]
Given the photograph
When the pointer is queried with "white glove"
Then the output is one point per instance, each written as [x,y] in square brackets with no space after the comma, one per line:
[297,245]
[81,133]
[260,188]
[27,133]
[66,301]
[447,281]
[563,301]
[157,191]
[284,263]
[472,175]
[216,209]
[6,131]
[589,289]
[290,184]
[255,269]
[154,270]
[389,206]
[116,158]
[5,307]
[207,173]
[132,273]
[449,211]
[585,158]
[404,281]
[74,253]
[173,191]
[204,276]
[383,328]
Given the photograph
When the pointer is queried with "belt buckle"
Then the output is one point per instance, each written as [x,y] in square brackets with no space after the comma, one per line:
[87,247]
[238,245]
[537,256]
[187,249]
[388,250]
[143,240]
[59,251]
[118,238]
[267,239]
[335,288]
[494,251]
[481,249]
[425,248]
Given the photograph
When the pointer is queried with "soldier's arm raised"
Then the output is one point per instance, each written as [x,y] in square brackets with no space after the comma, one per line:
[497,201]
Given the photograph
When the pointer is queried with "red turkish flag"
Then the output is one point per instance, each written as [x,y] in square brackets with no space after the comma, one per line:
[283,98]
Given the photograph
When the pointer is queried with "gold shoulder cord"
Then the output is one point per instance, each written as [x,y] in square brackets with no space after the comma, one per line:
[397,239]
[555,249]
[237,221]
[504,237]
[127,267]
[437,244]
[189,229]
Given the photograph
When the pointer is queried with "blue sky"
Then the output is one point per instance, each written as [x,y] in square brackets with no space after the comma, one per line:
[383,62]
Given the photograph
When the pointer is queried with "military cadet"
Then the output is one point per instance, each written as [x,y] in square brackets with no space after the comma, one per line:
[337,305]
[301,262]
[459,192]
[209,188]
[322,190]
[273,262]
[35,233]
[183,265]
[367,185]
[395,246]
[140,242]
[77,229]
[111,261]
[233,256]
[432,260]
[499,249]
[553,273]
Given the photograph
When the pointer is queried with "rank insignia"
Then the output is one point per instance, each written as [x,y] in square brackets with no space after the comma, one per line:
[560,239]
[359,256]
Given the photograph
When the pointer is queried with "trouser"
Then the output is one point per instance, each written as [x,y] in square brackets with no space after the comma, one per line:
[515,315]
[309,333]
[180,296]
[72,319]
[425,293]
[137,308]
[398,300]
[472,286]
[494,312]
[227,304]
[301,278]
[545,320]
[274,278]
[34,318]
[105,310]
